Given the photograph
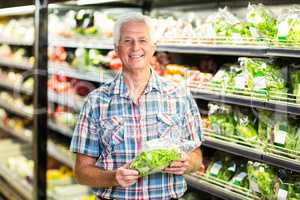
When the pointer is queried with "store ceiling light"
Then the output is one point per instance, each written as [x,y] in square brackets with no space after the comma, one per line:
[19,10]
[88,2]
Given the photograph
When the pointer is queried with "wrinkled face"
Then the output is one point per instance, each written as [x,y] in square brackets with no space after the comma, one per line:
[135,48]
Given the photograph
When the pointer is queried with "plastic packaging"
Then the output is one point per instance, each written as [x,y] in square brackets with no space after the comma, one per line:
[158,154]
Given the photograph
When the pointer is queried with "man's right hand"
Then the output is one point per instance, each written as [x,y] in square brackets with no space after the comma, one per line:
[126,177]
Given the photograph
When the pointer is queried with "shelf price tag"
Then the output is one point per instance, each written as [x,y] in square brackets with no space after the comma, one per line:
[282,194]
[215,168]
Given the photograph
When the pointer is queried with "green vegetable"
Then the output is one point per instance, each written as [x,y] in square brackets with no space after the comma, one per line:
[241,176]
[261,179]
[148,162]
[246,127]
[262,22]
[264,78]
[221,119]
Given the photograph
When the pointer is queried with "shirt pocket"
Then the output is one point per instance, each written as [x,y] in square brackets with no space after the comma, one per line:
[169,125]
[112,133]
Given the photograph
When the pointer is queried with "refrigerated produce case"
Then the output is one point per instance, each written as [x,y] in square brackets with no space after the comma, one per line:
[65,102]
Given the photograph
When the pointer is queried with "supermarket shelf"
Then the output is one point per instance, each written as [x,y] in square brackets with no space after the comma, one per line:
[81,42]
[220,191]
[214,50]
[283,52]
[9,192]
[55,153]
[222,49]
[66,100]
[62,69]
[16,42]
[65,131]
[15,88]
[12,132]
[14,109]
[17,10]
[17,65]
[249,101]
[21,186]
[52,149]
[233,148]
[254,152]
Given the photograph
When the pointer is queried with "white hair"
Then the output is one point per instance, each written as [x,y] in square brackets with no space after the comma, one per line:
[133,17]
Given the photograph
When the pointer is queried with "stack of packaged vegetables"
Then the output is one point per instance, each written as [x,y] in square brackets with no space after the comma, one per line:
[253,76]
[262,179]
[266,128]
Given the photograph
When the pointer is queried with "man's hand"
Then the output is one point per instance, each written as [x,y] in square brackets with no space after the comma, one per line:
[178,167]
[126,177]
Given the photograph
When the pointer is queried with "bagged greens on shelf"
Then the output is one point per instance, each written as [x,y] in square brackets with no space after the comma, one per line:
[287,186]
[264,125]
[283,132]
[295,82]
[288,26]
[157,154]
[241,176]
[262,21]
[246,123]
[263,77]
[220,24]
[229,78]
[221,119]
[261,179]
[222,167]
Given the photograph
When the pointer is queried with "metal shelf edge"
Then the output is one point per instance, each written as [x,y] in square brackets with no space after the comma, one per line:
[213,189]
[233,148]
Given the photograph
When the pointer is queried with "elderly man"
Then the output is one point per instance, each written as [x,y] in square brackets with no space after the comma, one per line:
[119,116]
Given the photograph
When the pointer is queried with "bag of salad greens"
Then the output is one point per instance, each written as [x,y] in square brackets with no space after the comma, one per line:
[158,154]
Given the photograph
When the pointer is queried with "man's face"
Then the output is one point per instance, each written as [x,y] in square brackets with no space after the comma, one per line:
[135,48]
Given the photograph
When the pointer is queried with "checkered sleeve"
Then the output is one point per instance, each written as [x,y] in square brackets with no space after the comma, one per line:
[85,138]
[193,120]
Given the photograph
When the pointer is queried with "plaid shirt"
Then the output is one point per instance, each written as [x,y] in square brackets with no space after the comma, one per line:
[111,127]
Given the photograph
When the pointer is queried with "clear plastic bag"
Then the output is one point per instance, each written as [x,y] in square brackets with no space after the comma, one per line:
[158,154]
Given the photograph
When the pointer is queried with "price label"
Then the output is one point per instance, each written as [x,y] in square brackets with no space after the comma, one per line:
[279,137]
[240,82]
[254,186]
[282,194]
[259,83]
[215,169]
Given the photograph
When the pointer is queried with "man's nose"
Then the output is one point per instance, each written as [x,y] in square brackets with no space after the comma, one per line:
[135,45]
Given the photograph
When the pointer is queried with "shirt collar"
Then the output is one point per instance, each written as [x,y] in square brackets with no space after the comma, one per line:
[119,86]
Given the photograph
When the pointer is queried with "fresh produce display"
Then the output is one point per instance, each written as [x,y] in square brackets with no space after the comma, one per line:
[148,162]
[17,29]
[261,21]
[246,124]
[264,78]
[221,119]
[283,132]
[22,102]
[16,54]
[63,117]
[84,22]
[240,177]
[288,185]
[295,82]
[288,26]
[262,179]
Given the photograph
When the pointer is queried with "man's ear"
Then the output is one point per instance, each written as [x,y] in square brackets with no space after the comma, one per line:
[116,49]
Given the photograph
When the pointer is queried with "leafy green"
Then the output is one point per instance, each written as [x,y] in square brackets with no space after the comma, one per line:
[245,123]
[262,21]
[241,176]
[148,162]
[295,83]
[261,179]
[263,77]
[221,119]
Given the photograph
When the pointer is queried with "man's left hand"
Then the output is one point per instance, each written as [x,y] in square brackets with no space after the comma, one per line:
[178,167]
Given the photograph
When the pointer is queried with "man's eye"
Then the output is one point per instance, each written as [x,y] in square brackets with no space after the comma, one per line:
[127,41]
[143,41]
